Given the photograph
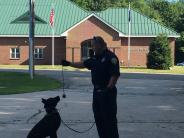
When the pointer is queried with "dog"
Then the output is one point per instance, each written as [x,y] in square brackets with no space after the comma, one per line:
[50,123]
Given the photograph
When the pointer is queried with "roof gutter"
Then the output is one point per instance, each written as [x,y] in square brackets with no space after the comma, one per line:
[175,36]
[41,36]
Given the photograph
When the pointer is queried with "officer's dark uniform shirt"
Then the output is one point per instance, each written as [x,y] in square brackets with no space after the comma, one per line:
[103,67]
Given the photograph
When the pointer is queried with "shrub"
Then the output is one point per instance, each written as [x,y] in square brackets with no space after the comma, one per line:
[159,56]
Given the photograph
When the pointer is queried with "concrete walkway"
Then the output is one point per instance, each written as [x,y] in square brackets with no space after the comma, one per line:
[149,106]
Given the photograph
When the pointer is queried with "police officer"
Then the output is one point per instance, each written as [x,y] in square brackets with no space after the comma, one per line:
[104,66]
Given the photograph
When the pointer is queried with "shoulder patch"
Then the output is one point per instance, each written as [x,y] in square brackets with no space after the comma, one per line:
[114,61]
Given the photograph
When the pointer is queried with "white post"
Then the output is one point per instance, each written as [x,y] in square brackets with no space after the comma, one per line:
[129,32]
[53,46]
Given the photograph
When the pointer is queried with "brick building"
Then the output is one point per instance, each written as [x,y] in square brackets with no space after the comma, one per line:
[73,26]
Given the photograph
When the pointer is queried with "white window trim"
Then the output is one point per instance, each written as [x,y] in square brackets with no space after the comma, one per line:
[15,53]
[38,53]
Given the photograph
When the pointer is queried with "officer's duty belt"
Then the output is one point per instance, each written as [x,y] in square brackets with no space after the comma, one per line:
[100,87]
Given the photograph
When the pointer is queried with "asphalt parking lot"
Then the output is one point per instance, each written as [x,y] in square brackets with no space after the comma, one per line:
[149,106]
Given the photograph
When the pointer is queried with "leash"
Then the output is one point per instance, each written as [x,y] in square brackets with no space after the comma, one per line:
[34,115]
[77,131]
[64,123]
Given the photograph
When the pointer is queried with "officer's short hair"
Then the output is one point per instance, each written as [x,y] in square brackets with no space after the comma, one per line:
[100,41]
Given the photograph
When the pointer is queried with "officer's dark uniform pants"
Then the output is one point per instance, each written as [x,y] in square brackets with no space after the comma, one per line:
[105,110]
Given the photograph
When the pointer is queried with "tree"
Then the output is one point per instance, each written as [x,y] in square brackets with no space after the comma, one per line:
[179,51]
[120,3]
[85,4]
[167,12]
[159,56]
[99,5]
[180,24]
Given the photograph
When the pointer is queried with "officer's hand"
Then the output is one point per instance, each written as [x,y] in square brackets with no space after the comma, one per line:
[65,63]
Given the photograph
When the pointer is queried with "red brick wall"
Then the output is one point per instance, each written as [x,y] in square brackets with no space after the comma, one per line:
[139,47]
[70,48]
[86,30]
[22,43]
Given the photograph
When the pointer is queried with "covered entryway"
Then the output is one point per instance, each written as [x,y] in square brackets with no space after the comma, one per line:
[85,46]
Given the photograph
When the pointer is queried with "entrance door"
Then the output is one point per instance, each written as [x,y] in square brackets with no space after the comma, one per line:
[85,46]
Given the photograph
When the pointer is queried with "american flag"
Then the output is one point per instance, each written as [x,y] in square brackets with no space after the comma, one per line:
[52,17]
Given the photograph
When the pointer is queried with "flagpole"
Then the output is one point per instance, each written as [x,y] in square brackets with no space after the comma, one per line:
[129,32]
[53,46]
[31,39]
[53,32]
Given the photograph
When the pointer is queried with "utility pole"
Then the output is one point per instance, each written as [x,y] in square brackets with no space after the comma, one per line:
[31,38]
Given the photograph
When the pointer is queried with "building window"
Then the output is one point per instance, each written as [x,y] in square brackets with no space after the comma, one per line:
[38,53]
[85,53]
[14,53]
[85,46]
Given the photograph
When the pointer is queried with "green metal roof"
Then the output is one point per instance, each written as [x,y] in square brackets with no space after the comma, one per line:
[67,14]
[140,24]
[14,19]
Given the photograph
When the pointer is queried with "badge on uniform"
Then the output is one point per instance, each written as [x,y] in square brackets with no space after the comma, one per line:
[103,60]
[114,61]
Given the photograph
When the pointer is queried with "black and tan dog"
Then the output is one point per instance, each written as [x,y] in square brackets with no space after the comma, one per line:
[50,123]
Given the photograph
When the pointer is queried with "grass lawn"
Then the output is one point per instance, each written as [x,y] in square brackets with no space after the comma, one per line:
[173,70]
[15,83]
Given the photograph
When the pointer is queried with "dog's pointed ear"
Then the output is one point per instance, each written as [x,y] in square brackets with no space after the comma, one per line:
[43,101]
[57,98]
